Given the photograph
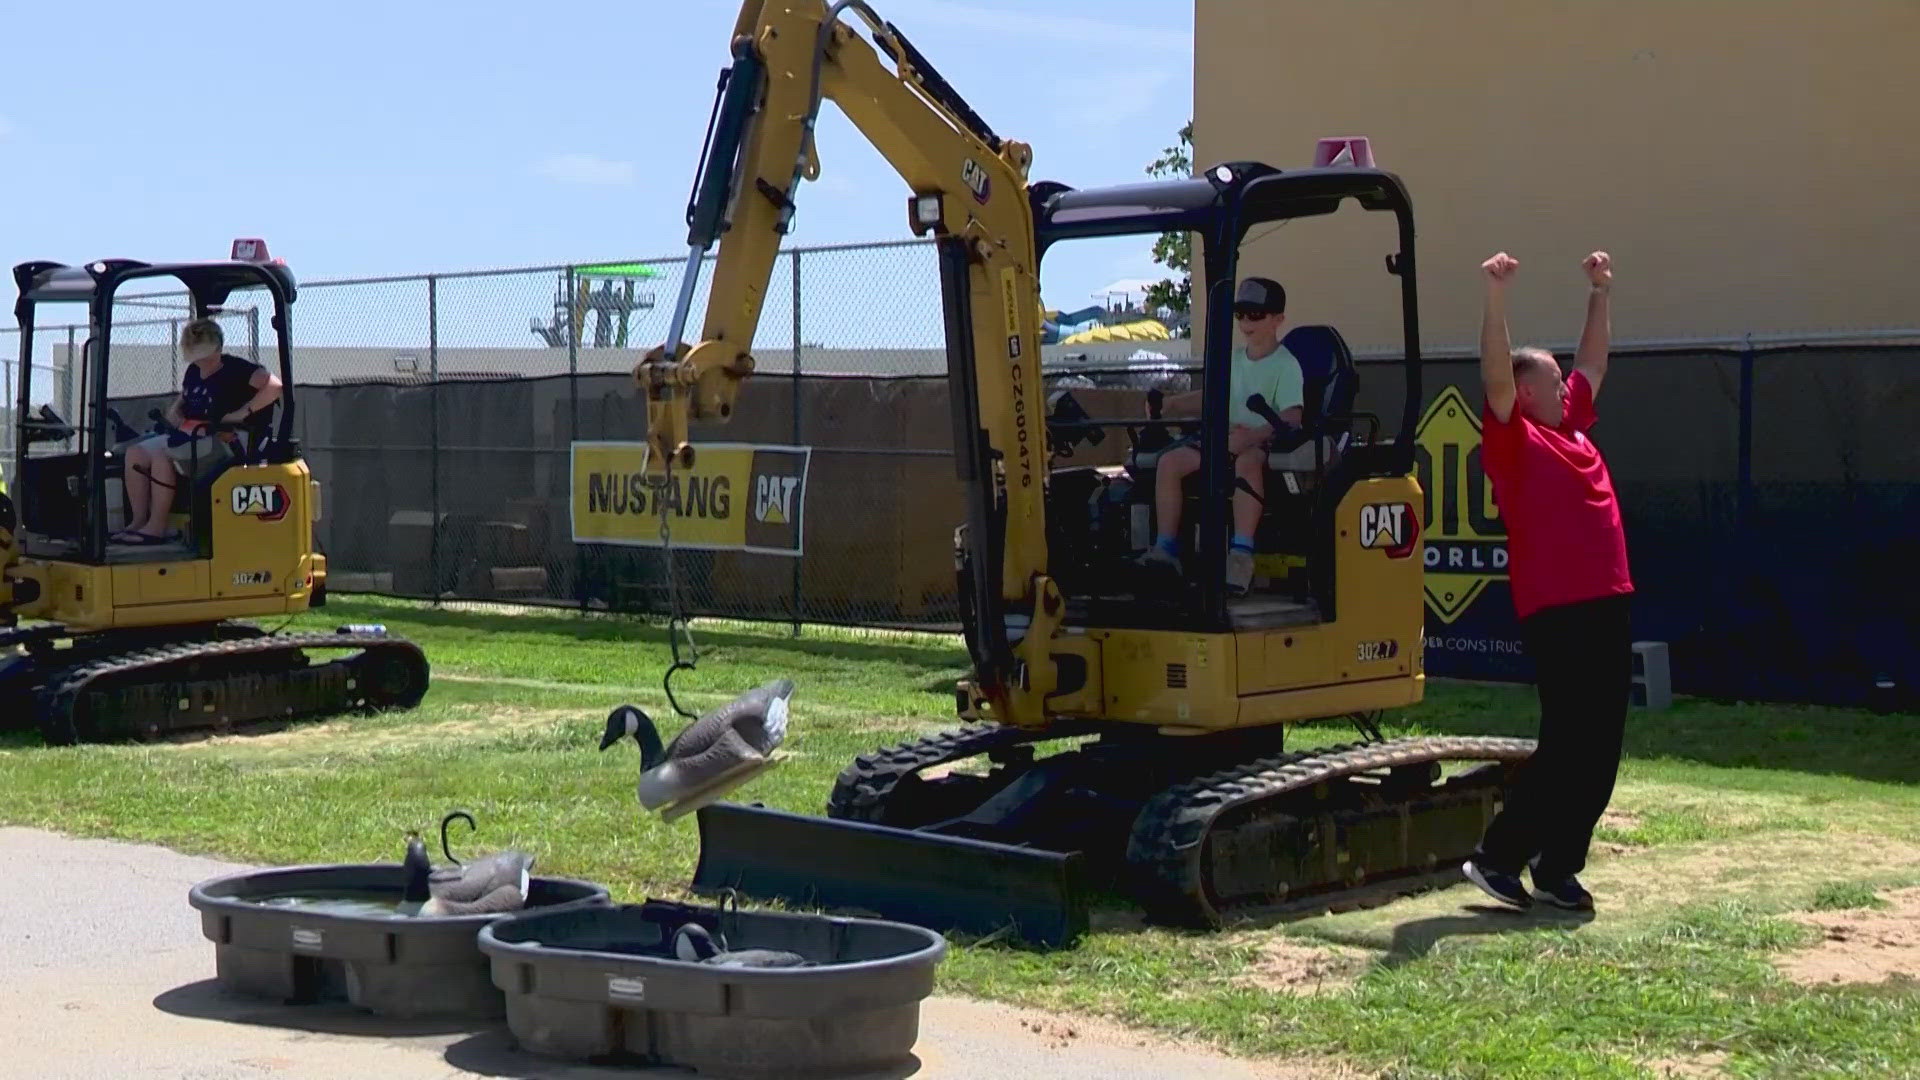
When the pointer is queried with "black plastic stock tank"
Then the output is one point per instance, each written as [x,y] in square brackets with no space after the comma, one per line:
[602,985]
[307,934]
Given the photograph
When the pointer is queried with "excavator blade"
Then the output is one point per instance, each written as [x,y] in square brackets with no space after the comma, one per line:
[943,883]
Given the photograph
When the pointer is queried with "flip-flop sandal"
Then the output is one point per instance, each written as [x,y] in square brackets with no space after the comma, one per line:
[136,538]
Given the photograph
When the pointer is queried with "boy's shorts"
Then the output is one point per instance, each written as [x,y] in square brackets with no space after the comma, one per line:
[193,458]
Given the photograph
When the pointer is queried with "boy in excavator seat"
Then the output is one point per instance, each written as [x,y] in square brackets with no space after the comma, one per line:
[1260,366]
[216,388]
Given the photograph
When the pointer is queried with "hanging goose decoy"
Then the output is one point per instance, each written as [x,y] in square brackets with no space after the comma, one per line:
[711,756]
[487,886]
[695,944]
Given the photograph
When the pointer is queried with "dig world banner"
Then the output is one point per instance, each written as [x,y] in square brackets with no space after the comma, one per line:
[1471,630]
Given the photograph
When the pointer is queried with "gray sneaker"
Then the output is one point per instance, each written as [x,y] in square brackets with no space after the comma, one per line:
[1158,558]
[1239,570]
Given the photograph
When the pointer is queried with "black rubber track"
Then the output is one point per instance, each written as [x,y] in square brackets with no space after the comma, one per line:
[1166,850]
[220,684]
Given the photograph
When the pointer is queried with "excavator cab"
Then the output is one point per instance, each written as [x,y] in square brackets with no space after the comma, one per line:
[1102,518]
[134,640]
[72,501]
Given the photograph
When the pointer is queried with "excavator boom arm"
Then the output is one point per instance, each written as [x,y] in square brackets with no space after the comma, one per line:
[968,188]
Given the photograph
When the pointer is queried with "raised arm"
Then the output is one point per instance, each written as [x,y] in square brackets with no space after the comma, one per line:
[1496,351]
[1596,336]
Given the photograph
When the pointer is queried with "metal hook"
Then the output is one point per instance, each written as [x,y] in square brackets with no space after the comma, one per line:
[667,684]
[444,822]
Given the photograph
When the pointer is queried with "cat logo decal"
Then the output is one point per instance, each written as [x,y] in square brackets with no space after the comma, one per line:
[268,502]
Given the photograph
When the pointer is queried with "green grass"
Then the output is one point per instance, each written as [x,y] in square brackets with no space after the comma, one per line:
[1545,1003]
[1726,817]
[1847,896]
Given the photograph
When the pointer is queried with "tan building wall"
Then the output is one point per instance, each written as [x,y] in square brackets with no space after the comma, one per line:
[1752,166]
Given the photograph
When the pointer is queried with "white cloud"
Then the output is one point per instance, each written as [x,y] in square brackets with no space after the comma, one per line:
[585,169]
[1023,23]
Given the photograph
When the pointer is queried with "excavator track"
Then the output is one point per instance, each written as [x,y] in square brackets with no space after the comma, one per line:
[1277,834]
[1316,831]
[867,789]
[218,685]
[885,787]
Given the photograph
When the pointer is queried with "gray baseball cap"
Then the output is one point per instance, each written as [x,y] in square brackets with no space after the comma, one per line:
[1260,294]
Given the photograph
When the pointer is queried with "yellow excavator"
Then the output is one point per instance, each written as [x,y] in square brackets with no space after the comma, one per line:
[1170,699]
[103,641]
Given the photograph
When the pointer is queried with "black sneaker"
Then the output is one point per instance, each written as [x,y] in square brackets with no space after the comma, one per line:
[1565,893]
[1505,888]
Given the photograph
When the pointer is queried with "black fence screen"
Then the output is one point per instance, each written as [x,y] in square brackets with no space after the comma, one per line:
[1772,500]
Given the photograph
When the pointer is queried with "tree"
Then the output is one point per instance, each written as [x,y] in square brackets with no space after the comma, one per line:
[1174,250]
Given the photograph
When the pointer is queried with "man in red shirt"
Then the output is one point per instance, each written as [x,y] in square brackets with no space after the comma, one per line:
[1567,564]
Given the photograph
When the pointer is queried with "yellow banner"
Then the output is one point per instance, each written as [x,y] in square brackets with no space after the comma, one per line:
[737,497]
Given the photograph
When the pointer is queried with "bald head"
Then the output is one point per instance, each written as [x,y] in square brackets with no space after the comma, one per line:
[1539,388]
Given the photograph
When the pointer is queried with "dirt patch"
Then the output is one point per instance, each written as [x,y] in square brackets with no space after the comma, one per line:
[465,722]
[1647,884]
[1780,861]
[1289,965]
[1759,866]
[1620,820]
[1617,822]
[1692,1067]
[1865,945]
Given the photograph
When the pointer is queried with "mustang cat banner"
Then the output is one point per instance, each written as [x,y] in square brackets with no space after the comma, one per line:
[737,497]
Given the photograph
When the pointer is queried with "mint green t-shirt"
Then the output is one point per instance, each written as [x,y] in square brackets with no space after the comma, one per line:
[1276,375]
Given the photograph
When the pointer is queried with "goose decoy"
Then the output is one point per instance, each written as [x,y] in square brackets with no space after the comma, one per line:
[711,756]
[487,886]
[695,944]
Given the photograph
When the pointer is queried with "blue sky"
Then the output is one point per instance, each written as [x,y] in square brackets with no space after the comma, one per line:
[372,139]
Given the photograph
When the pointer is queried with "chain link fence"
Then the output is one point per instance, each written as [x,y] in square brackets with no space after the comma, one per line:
[440,413]
[1770,489]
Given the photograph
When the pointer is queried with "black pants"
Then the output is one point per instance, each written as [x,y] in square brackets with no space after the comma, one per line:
[1583,668]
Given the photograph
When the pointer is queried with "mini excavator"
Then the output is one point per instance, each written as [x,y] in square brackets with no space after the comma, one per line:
[1168,701]
[107,642]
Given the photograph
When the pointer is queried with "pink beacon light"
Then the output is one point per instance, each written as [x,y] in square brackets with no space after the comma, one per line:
[253,251]
[1343,151]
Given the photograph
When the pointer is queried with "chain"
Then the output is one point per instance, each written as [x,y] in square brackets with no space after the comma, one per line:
[677,625]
